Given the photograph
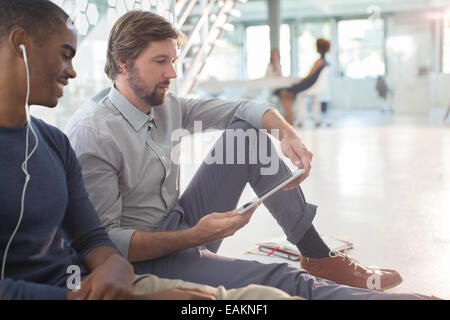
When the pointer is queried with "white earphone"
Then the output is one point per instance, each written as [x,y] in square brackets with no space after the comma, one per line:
[27,157]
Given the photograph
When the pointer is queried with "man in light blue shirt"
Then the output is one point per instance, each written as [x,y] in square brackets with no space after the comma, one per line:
[124,140]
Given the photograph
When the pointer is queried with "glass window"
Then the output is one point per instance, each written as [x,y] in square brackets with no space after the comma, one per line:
[224,62]
[258,50]
[306,44]
[446,44]
[285,49]
[361,48]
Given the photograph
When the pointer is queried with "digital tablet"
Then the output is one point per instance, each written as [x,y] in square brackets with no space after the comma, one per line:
[257,201]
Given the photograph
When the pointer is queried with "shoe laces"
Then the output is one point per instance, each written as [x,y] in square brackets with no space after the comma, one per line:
[339,253]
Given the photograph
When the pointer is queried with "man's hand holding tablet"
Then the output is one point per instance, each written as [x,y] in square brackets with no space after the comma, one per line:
[259,200]
[217,226]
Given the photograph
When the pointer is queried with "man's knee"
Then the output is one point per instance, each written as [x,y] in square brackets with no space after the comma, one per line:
[241,124]
[244,144]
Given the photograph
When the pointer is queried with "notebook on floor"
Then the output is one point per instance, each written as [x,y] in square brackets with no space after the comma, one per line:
[282,248]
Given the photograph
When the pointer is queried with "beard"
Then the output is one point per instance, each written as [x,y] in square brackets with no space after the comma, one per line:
[137,85]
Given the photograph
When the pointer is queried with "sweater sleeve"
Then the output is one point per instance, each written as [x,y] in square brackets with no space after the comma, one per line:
[22,290]
[81,223]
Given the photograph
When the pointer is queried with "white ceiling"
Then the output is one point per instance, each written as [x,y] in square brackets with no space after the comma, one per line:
[301,9]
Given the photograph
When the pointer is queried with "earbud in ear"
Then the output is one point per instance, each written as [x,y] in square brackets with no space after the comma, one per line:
[24,50]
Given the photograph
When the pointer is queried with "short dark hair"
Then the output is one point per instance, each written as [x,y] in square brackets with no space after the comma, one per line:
[323,46]
[132,33]
[39,18]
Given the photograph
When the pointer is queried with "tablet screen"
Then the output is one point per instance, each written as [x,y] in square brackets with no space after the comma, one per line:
[257,201]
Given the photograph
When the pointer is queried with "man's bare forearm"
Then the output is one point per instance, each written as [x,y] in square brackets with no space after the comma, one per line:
[152,245]
[292,145]
[98,256]
[212,227]
[273,120]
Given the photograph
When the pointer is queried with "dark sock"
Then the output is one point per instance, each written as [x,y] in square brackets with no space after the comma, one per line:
[312,245]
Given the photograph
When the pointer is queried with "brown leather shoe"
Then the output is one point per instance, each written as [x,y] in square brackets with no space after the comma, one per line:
[343,269]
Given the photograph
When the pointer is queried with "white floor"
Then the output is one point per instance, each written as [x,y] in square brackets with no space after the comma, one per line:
[380,180]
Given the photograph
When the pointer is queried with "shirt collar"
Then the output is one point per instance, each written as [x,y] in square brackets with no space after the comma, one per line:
[151,118]
[133,115]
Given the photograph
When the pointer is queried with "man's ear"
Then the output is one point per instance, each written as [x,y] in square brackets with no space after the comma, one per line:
[18,37]
[124,66]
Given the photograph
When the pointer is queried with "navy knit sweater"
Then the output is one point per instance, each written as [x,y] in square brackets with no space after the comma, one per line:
[59,227]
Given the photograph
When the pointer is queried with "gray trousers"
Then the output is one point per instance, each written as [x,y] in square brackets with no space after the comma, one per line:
[217,188]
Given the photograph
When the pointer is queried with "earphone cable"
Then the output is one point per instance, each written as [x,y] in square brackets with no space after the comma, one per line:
[24,164]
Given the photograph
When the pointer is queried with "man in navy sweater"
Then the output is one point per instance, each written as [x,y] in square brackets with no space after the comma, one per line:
[51,239]
[55,206]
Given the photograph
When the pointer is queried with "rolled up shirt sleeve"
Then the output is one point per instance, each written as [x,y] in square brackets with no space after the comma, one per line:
[100,169]
[219,114]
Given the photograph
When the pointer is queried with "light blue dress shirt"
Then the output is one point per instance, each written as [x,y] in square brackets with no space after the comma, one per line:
[131,172]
